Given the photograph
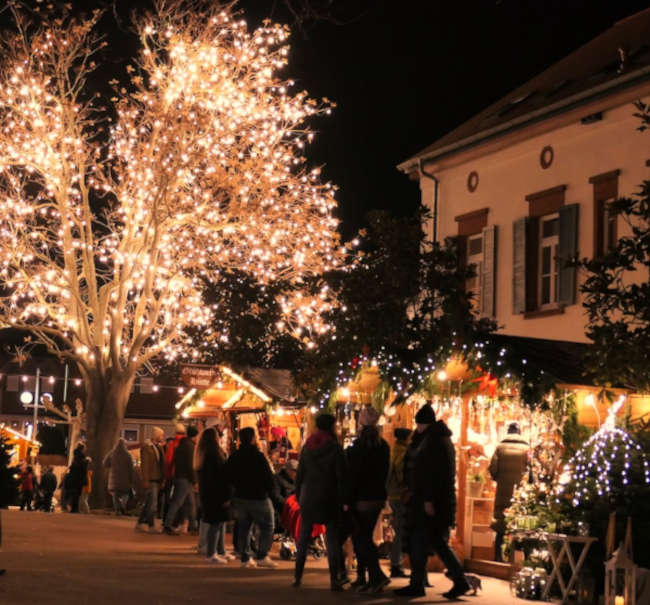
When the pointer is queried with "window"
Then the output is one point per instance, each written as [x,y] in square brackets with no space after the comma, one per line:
[474,256]
[543,243]
[130,435]
[609,227]
[549,227]
[605,221]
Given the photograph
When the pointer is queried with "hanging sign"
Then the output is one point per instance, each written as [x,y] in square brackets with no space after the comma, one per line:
[199,376]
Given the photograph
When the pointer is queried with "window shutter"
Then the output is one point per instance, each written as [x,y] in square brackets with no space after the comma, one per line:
[532,262]
[567,250]
[519,265]
[488,289]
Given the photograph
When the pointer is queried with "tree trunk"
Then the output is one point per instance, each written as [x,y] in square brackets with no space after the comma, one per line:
[105,408]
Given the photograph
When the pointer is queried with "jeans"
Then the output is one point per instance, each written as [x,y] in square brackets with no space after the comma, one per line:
[150,507]
[214,538]
[333,548]
[83,503]
[260,512]
[183,498]
[424,539]
[398,529]
[120,500]
[47,501]
[72,497]
[364,545]
[203,538]
[26,499]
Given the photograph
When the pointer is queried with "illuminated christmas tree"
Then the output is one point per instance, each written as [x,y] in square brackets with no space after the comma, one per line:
[609,473]
[609,467]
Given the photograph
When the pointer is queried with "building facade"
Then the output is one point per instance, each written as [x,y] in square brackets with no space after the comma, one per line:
[525,184]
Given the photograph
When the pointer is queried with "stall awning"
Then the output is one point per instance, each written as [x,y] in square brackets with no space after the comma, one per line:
[229,392]
[561,359]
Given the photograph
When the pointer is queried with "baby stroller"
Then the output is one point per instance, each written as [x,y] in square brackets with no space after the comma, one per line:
[290,521]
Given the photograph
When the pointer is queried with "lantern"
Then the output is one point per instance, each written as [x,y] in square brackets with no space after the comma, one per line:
[620,574]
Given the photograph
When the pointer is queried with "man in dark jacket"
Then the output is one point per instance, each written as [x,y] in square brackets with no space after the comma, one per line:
[431,508]
[507,467]
[48,485]
[251,476]
[184,481]
[152,466]
[321,489]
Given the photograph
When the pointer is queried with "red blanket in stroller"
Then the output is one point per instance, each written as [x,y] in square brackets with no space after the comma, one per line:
[291,519]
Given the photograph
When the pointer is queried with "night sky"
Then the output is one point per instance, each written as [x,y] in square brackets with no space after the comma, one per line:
[404,73]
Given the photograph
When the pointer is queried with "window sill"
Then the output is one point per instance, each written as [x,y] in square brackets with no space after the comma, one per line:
[548,312]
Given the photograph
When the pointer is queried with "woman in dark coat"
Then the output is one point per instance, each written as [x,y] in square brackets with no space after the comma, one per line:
[368,460]
[321,489]
[214,491]
[77,477]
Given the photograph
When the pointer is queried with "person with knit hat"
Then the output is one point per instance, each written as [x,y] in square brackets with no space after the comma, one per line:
[430,469]
[152,467]
[184,481]
[321,489]
[368,461]
[396,488]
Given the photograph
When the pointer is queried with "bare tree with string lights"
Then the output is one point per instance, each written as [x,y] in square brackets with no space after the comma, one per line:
[113,218]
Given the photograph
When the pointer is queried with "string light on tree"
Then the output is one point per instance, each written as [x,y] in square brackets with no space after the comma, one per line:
[106,241]
[608,464]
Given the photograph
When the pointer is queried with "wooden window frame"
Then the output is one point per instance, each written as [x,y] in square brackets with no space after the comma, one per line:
[605,186]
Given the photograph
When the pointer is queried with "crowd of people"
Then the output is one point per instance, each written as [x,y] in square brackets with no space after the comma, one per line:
[190,479]
[342,491]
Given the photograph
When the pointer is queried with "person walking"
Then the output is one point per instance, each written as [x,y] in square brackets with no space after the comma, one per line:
[507,467]
[251,476]
[214,493]
[120,475]
[322,492]
[26,488]
[368,461]
[183,486]
[396,488]
[48,485]
[152,465]
[431,503]
[84,507]
[77,477]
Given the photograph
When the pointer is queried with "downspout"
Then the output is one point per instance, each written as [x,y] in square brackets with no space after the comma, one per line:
[431,176]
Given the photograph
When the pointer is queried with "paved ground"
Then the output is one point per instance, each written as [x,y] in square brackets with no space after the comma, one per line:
[95,560]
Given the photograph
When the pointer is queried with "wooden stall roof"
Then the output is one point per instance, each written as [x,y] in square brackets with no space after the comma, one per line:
[231,392]
[13,436]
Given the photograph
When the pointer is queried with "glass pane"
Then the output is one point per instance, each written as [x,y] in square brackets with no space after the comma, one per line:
[546,260]
[550,227]
[611,232]
[475,246]
[546,290]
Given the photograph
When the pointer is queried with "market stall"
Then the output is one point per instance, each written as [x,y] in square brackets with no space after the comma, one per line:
[220,396]
[24,447]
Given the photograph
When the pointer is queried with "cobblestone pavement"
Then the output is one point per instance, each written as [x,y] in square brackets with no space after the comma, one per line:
[96,559]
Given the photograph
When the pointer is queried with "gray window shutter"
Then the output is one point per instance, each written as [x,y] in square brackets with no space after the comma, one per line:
[519,265]
[567,250]
[488,290]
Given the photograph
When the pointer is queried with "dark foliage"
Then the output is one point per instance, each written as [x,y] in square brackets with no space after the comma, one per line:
[617,294]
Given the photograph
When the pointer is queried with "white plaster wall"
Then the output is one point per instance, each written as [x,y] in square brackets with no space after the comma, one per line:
[507,176]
